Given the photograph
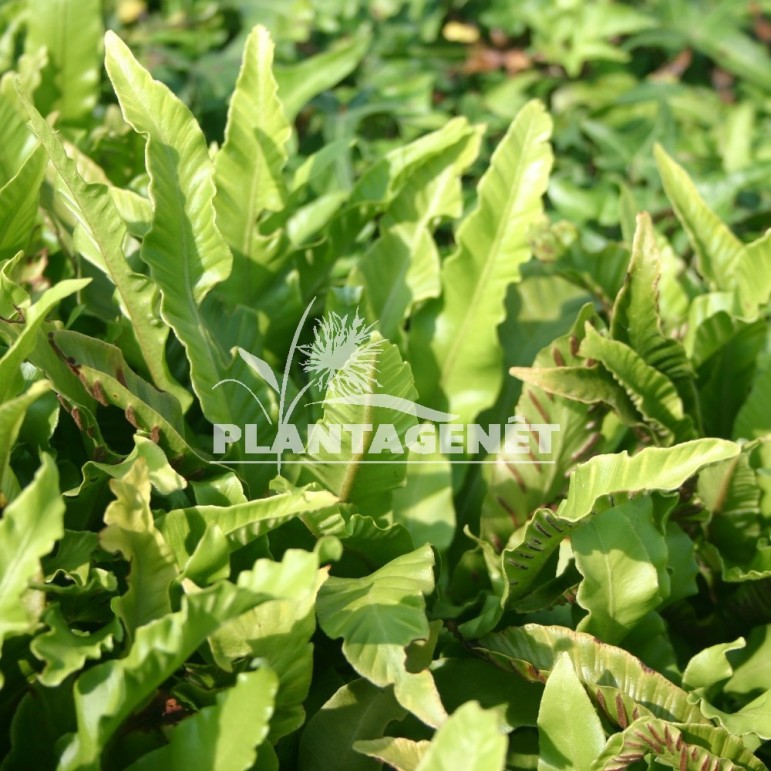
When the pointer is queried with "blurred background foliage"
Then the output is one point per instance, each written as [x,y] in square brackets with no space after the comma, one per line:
[693,75]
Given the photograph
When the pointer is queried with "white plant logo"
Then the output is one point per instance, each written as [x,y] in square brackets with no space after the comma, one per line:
[342,356]
[342,362]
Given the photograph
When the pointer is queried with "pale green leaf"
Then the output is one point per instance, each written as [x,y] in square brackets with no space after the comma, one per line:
[12,413]
[162,476]
[471,733]
[399,753]
[362,480]
[108,693]
[71,31]
[299,83]
[570,734]
[240,523]
[248,166]
[623,558]
[402,268]
[223,736]
[65,650]
[617,682]
[100,223]
[753,276]
[710,666]
[378,616]
[716,246]
[26,339]
[105,375]
[516,489]
[278,631]
[29,528]
[652,392]
[653,468]
[131,531]
[19,201]
[186,253]
[753,420]
[424,504]
[636,321]
[493,243]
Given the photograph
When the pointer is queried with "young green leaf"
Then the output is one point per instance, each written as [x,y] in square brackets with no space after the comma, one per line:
[458,334]
[399,753]
[186,253]
[623,558]
[100,223]
[71,31]
[378,616]
[29,528]
[363,480]
[131,531]
[570,734]
[12,414]
[65,650]
[716,246]
[653,468]
[248,167]
[225,735]
[471,733]
[25,341]
[108,693]
[19,201]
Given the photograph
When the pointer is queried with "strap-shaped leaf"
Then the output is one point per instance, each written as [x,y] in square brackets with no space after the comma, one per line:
[363,480]
[224,735]
[19,200]
[652,392]
[12,414]
[653,468]
[23,343]
[753,276]
[30,526]
[635,319]
[533,651]
[65,651]
[569,730]
[186,253]
[240,523]
[18,141]
[516,489]
[71,31]
[460,331]
[279,631]
[131,531]
[248,166]
[623,558]
[378,616]
[471,733]
[99,221]
[716,246]
[106,377]
[402,267]
[684,746]
[108,693]
[590,385]
[399,753]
